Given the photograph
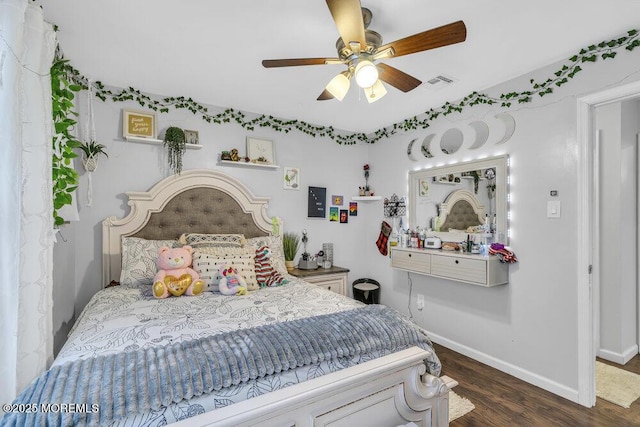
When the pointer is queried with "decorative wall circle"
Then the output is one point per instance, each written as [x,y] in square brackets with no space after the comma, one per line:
[425,148]
[451,140]
[410,149]
[509,126]
[481,130]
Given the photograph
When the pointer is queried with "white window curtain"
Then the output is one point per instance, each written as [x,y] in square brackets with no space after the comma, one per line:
[27,46]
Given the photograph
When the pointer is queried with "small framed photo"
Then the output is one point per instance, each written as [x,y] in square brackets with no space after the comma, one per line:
[191,137]
[139,124]
[260,150]
[337,200]
[291,178]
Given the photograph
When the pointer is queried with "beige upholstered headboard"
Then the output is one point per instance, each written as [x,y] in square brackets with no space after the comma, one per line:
[196,201]
[461,210]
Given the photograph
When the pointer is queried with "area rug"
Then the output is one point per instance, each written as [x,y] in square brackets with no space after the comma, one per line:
[616,385]
[458,406]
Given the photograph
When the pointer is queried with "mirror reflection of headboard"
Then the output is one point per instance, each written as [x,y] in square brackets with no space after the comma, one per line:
[486,179]
[461,210]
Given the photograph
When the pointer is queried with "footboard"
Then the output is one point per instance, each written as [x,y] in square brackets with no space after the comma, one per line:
[389,391]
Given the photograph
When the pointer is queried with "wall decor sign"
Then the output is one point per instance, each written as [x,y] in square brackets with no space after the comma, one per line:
[139,124]
[261,151]
[353,208]
[291,178]
[317,202]
[337,200]
[344,216]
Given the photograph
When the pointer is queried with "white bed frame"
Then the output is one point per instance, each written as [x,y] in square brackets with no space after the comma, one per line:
[389,391]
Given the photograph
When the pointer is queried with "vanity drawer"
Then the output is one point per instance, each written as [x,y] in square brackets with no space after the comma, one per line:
[460,268]
[419,262]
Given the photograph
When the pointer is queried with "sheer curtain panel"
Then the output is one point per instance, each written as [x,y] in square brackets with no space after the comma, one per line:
[27,46]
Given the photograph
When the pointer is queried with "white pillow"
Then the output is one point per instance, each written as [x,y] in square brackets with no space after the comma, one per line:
[139,260]
[207,267]
[277,253]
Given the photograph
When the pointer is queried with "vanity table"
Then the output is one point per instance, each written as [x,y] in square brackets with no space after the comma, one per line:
[468,268]
[454,202]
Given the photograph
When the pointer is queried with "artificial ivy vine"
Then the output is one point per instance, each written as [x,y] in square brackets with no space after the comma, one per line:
[603,50]
[65,177]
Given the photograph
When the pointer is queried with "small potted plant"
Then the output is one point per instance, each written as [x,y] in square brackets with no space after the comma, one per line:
[90,152]
[175,142]
[290,244]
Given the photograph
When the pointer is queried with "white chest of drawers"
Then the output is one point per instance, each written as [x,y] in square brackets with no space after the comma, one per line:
[467,268]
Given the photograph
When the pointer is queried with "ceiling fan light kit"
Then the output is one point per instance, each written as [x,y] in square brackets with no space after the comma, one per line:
[359,48]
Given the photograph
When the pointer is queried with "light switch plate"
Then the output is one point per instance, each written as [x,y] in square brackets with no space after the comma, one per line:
[553,209]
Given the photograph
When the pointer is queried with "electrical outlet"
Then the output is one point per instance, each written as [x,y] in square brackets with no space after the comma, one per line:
[420,302]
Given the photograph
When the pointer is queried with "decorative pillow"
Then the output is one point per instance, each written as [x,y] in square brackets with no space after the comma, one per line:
[226,251]
[275,245]
[198,240]
[139,260]
[208,266]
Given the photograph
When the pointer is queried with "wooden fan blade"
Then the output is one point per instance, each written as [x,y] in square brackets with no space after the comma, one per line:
[272,63]
[348,17]
[455,32]
[396,78]
[325,95]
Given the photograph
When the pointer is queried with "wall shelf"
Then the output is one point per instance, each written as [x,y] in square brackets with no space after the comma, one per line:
[366,198]
[153,141]
[246,164]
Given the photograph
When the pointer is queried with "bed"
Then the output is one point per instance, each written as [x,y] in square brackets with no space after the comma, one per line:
[294,354]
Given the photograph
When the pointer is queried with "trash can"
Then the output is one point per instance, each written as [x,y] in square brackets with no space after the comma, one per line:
[367,291]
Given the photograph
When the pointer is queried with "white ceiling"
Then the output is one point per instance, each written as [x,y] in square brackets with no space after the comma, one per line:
[212,51]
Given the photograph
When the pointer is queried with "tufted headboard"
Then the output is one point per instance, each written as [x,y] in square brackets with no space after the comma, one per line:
[460,210]
[196,201]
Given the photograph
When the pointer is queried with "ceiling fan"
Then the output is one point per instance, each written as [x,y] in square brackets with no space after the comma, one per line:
[360,48]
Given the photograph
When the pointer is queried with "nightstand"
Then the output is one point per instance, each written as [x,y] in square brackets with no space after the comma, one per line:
[333,279]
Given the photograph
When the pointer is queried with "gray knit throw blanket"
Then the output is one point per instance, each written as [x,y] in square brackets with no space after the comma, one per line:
[138,381]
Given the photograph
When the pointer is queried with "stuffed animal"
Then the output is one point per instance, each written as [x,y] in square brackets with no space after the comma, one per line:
[175,275]
[266,275]
[231,282]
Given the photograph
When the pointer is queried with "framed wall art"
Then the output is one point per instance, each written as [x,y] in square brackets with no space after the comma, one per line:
[261,151]
[139,124]
[191,136]
[291,178]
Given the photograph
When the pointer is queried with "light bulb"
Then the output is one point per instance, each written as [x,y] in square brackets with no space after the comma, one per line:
[339,85]
[366,74]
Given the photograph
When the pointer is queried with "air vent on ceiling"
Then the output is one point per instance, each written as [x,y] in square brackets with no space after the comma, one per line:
[441,81]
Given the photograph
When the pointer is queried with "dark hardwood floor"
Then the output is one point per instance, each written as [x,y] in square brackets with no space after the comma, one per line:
[503,400]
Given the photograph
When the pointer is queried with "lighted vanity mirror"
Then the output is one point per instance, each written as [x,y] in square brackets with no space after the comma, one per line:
[456,199]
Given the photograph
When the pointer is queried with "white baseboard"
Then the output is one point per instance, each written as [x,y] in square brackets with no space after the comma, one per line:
[516,371]
[619,358]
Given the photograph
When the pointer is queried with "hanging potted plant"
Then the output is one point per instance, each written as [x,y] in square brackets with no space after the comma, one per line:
[290,243]
[90,152]
[175,142]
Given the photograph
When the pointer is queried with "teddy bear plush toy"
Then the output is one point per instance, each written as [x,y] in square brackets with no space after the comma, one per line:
[231,282]
[266,275]
[175,275]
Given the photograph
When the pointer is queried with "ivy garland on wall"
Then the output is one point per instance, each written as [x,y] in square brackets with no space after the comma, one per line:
[68,80]
[604,50]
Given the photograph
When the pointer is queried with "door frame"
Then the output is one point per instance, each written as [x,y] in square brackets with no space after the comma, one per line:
[587,229]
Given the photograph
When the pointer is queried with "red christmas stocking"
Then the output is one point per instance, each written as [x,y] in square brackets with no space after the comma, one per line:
[383,238]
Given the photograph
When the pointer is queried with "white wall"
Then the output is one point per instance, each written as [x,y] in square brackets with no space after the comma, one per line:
[618,125]
[527,328]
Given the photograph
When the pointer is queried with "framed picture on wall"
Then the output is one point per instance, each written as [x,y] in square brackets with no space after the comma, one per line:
[139,124]
[191,137]
[291,178]
[261,151]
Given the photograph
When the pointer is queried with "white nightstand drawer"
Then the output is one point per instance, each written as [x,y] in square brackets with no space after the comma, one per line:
[460,268]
